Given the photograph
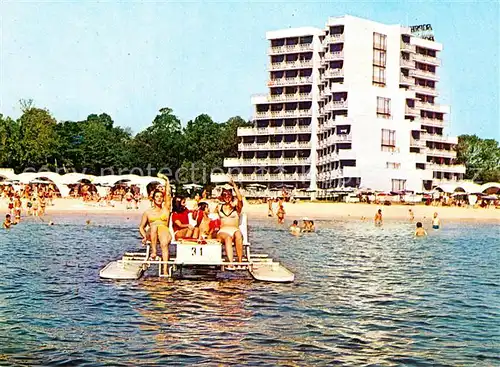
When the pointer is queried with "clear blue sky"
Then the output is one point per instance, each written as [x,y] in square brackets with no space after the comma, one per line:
[130,58]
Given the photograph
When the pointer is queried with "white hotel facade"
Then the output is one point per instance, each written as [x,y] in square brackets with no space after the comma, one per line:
[351,105]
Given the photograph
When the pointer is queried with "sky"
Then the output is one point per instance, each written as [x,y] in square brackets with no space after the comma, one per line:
[131,58]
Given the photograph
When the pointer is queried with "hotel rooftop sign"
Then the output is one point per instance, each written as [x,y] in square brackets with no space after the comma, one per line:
[422,31]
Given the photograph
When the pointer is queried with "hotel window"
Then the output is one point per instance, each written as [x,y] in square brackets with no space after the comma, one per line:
[393,165]
[383,107]
[379,58]
[379,76]
[388,140]
[398,185]
[379,41]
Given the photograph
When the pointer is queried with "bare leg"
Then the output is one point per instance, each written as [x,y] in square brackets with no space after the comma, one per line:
[154,241]
[238,241]
[228,242]
[165,239]
[196,233]
[182,233]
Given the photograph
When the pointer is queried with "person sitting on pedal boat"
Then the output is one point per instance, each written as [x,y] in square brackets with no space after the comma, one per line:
[158,220]
[180,220]
[229,212]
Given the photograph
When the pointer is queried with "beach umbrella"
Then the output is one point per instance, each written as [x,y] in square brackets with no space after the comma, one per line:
[40,182]
[192,186]
[490,197]
[257,186]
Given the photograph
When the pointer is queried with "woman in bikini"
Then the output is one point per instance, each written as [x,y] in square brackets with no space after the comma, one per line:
[158,220]
[281,212]
[229,213]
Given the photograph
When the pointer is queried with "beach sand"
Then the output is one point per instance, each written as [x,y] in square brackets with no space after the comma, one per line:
[312,210]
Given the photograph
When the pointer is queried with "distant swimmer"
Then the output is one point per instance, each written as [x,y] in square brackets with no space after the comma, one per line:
[378,218]
[436,223]
[412,216]
[7,223]
[420,231]
[294,228]
[311,226]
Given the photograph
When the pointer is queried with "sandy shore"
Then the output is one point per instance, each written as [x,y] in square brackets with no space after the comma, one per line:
[312,210]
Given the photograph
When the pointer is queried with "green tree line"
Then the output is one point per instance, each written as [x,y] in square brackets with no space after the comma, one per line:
[481,158]
[36,140]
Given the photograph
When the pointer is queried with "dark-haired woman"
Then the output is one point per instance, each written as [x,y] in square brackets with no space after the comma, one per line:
[158,220]
[180,220]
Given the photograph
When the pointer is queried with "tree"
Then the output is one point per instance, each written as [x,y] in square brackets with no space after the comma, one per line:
[229,135]
[9,143]
[160,146]
[481,158]
[38,138]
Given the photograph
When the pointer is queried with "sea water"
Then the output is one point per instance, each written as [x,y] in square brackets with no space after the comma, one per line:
[362,296]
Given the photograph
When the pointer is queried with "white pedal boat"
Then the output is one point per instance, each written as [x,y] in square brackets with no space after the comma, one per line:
[188,256]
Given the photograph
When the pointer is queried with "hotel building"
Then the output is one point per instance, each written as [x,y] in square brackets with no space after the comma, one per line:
[351,105]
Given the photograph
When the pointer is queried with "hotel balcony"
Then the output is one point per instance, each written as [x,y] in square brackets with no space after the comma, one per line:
[332,56]
[331,123]
[407,64]
[255,177]
[335,139]
[406,80]
[411,111]
[439,138]
[328,158]
[407,47]
[282,114]
[414,143]
[434,107]
[277,50]
[333,73]
[289,97]
[332,175]
[439,181]
[422,89]
[258,162]
[441,153]
[286,65]
[431,122]
[290,81]
[335,105]
[273,130]
[346,154]
[274,146]
[418,73]
[333,38]
[456,168]
[419,157]
[427,59]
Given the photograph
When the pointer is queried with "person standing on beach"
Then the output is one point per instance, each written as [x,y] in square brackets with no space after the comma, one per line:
[270,207]
[281,212]
[412,216]
[436,223]
[378,218]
